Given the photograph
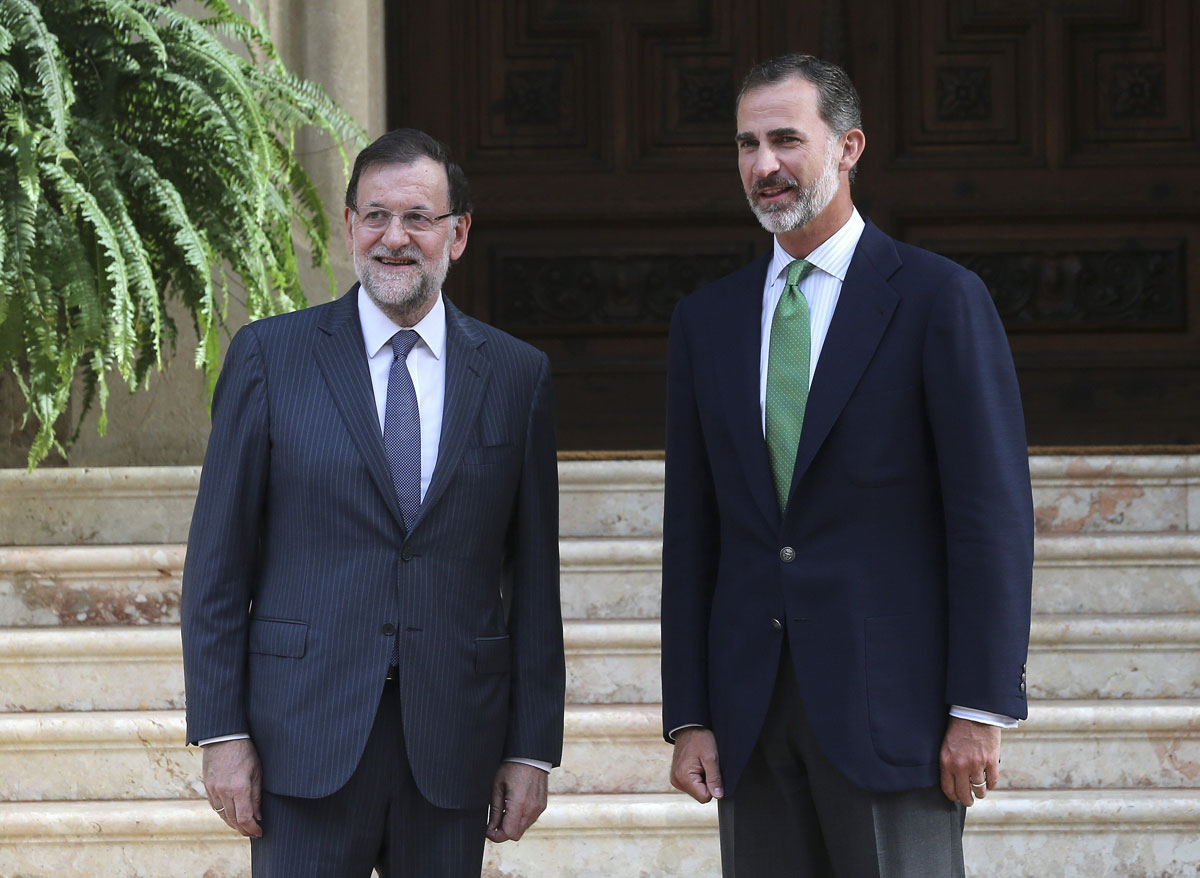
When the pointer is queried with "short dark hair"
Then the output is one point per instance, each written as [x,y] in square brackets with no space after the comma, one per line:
[403,147]
[837,100]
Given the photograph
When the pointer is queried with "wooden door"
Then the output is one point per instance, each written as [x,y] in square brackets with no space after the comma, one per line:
[1050,146]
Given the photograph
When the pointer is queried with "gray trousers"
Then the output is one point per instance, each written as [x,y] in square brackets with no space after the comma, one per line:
[378,820]
[795,815]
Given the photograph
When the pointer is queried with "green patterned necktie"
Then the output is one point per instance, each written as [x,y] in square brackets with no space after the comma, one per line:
[787,379]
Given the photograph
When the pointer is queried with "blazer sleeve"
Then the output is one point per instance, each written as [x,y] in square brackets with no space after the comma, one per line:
[535,729]
[221,553]
[974,409]
[691,545]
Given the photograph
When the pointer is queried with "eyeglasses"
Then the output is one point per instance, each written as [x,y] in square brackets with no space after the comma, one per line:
[377,219]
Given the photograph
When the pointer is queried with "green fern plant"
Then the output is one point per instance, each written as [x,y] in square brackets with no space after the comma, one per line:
[144,159]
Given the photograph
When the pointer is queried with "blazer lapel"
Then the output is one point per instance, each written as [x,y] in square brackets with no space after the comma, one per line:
[739,379]
[864,310]
[340,355]
[467,374]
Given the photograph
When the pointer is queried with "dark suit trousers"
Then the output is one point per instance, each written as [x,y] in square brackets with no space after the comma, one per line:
[378,820]
[795,815]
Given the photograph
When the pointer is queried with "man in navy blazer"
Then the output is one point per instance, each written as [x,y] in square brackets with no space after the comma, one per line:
[845,613]
[372,636]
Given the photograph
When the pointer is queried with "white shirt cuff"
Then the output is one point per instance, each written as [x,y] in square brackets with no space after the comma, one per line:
[671,734]
[536,763]
[236,737]
[983,716]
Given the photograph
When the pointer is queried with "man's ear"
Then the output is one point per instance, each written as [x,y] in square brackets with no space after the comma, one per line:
[459,242]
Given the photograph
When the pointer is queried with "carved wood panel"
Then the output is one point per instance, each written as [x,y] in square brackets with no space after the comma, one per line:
[1052,147]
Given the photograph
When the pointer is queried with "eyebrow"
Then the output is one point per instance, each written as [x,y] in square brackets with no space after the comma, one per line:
[774,132]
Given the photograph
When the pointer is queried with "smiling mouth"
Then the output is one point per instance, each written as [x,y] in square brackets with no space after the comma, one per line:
[766,193]
[387,260]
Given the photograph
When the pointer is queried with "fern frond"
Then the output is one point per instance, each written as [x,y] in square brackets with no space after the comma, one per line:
[23,19]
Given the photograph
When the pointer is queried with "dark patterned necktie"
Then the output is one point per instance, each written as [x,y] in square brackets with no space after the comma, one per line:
[402,428]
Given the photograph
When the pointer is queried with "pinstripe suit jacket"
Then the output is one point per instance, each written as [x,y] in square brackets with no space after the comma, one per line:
[300,574]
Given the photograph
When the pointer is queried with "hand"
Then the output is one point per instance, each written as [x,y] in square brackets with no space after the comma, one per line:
[695,768]
[233,780]
[518,799]
[970,752]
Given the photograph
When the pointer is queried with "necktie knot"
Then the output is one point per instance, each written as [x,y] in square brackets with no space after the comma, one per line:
[797,271]
[403,342]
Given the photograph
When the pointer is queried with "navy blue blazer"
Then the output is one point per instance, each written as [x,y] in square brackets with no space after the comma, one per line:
[910,519]
[300,575]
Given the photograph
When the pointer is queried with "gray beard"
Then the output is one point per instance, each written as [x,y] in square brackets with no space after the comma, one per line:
[401,298]
[810,201]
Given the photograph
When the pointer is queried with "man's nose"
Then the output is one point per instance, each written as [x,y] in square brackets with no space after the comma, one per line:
[395,235]
[766,162]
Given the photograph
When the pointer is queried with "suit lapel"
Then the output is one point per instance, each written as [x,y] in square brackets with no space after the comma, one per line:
[863,312]
[338,350]
[467,374]
[741,336]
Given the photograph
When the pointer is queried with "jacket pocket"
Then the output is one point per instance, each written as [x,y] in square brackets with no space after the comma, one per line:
[492,655]
[905,688]
[278,637]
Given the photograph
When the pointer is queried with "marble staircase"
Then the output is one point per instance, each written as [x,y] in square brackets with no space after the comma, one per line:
[1103,780]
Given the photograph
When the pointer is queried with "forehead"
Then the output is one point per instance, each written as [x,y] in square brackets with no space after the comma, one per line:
[788,104]
[421,183]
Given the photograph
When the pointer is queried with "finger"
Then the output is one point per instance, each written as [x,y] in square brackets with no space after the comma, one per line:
[496,815]
[243,814]
[962,788]
[979,785]
[712,776]
[687,776]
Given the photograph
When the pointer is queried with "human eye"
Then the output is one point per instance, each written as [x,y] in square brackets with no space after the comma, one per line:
[417,222]
[746,144]
[376,218]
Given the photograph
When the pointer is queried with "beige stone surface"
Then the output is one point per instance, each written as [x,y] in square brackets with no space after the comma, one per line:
[96,506]
[126,668]
[90,585]
[1112,493]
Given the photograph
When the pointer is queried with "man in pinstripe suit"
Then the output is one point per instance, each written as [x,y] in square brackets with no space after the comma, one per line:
[372,635]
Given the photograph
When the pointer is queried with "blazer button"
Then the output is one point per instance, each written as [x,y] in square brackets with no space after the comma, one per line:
[388,628]
[776,624]
[787,554]
[1022,686]
[406,555]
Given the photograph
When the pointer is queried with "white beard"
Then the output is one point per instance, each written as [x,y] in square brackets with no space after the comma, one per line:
[809,200]
[408,293]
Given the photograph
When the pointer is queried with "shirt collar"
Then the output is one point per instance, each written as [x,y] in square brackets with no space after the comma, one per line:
[832,256]
[378,328]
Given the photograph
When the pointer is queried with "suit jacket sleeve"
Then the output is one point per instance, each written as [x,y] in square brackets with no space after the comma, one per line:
[221,553]
[534,612]
[691,541]
[974,410]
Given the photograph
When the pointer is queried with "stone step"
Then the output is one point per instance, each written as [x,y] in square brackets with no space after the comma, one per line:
[118,505]
[123,755]
[602,578]
[611,661]
[1011,835]
[1072,494]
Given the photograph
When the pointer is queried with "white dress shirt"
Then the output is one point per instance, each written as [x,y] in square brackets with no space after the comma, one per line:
[427,366]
